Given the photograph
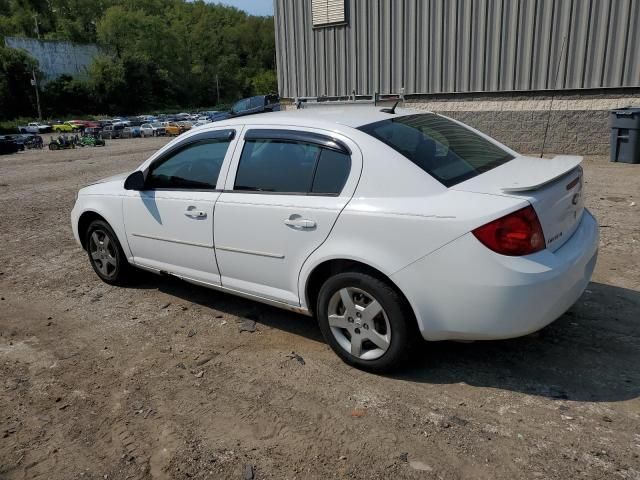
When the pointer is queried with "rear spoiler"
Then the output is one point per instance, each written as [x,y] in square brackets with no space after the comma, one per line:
[534,173]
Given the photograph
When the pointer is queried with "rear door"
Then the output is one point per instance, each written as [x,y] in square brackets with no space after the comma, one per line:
[283,194]
[169,224]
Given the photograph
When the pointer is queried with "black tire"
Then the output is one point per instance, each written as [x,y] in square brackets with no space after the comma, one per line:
[120,271]
[404,334]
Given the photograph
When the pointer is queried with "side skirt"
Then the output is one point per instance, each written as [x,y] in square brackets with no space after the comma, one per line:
[221,288]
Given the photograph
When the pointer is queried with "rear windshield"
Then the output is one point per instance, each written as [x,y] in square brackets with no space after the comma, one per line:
[447,151]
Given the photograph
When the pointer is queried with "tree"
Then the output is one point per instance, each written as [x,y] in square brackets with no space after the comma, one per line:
[16,92]
[157,53]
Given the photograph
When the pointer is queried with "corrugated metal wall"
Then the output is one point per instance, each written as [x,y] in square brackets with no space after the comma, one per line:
[446,46]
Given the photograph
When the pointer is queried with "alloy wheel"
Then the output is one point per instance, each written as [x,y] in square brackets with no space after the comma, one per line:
[103,253]
[359,323]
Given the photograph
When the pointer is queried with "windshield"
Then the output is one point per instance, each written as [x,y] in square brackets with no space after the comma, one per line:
[444,149]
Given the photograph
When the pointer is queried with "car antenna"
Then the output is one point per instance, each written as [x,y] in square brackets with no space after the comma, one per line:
[553,94]
[391,110]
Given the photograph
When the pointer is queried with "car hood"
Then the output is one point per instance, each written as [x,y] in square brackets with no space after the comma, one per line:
[113,185]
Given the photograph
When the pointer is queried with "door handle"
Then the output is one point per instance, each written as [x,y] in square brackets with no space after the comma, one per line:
[296,221]
[193,213]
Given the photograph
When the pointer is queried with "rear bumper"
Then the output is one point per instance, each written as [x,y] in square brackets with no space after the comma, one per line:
[464,291]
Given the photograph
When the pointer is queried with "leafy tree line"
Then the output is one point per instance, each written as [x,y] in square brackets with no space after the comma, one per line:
[159,54]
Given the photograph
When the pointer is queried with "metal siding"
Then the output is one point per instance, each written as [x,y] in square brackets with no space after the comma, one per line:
[478,38]
[421,59]
[398,51]
[411,41]
[445,46]
[492,54]
[526,29]
[436,20]
[632,64]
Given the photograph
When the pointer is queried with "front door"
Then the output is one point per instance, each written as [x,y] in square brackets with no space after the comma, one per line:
[170,224]
[284,192]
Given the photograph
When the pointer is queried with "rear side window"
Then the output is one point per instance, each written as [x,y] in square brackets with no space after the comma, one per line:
[280,165]
[444,149]
[332,172]
[276,166]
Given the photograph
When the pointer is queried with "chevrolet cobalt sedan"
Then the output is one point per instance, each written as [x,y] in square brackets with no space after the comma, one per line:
[389,226]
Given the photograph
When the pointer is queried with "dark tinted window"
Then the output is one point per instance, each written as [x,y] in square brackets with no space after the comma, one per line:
[447,151]
[196,166]
[331,173]
[276,166]
[256,102]
[241,105]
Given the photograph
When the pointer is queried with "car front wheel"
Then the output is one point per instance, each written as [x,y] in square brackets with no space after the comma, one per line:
[106,255]
[366,321]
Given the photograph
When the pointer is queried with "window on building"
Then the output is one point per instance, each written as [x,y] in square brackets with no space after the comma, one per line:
[327,12]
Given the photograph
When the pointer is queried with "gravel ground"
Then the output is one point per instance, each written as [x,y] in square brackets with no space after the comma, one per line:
[157,380]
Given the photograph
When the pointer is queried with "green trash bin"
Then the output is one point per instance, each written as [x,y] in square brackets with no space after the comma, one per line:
[625,134]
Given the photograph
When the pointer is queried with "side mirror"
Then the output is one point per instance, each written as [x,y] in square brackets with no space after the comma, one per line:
[135,181]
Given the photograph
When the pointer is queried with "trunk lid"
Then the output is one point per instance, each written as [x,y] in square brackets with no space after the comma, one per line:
[554,187]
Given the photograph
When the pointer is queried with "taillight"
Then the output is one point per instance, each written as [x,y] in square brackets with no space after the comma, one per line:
[518,233]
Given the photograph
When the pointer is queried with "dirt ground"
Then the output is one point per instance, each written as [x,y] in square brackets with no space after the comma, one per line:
[157,380]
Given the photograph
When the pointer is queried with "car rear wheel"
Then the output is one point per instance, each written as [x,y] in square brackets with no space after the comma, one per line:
[366,321]
[106,255]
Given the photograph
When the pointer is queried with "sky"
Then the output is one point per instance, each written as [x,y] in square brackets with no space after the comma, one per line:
[254,7]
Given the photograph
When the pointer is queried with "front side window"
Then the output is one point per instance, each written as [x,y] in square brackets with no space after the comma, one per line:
[447,151]
[195,166]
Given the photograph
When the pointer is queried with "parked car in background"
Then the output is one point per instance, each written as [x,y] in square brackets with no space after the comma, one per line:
[136,121]
[112,131]
[65,127]
[93,131]
[387,225]
[131,132]
[19,139]
[152,130]
[8,145]
[207,114]
[174,128]
[35,127]
[186,125]
[85,123]
[257,104]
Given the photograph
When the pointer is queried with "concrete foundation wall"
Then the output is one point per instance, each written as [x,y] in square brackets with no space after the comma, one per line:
[57,58]
[578,124]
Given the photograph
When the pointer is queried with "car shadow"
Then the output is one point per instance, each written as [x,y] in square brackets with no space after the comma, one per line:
[591,353]
[234,305]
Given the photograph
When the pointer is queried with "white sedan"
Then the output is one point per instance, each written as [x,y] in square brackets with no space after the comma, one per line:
[388,227]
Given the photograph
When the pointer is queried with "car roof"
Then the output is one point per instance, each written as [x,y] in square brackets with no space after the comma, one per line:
[321,117]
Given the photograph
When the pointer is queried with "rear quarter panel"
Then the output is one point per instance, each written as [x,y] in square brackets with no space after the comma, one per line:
[400,214]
